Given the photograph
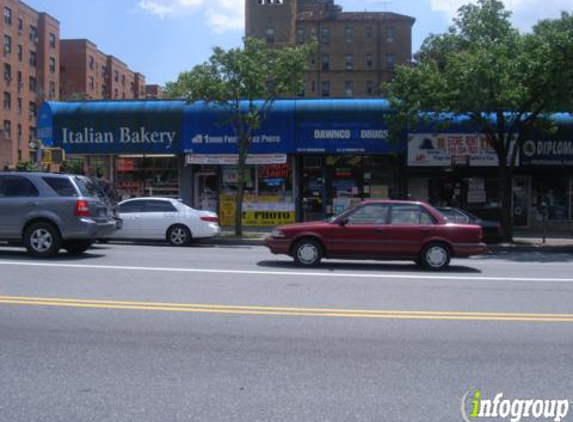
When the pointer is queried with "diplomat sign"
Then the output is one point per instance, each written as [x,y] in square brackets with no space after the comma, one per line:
[547,152]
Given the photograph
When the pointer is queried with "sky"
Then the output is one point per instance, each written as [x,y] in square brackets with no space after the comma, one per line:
[161,38]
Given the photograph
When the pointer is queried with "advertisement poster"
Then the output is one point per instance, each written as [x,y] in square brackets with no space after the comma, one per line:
[257,211]
[447,149]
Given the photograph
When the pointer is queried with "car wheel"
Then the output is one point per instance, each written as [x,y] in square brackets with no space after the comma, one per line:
[435,256]
[42,240]
[179,235]
[307,253]
[77,247]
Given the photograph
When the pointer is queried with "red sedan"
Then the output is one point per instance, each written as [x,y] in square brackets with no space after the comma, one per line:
[380,230]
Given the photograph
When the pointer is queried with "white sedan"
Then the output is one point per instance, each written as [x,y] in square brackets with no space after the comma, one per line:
[165,219]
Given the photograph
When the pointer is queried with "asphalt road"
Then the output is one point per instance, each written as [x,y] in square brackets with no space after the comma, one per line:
[154,333]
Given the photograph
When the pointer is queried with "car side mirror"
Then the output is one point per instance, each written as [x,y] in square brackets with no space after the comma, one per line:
[342,222]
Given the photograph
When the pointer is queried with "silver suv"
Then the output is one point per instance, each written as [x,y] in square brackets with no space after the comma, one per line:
[47,212]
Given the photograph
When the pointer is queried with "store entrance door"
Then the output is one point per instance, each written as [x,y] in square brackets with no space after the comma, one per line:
[205,189]
[521,200]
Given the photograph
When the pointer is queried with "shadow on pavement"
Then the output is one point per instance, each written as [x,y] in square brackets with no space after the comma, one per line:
[532,256]
[22,255]
[355,266]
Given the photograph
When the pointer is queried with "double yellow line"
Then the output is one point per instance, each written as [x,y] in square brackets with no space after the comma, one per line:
[284,311]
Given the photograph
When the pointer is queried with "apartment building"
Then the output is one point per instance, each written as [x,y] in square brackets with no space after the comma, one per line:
[356,51]
[154,92]
[30,75]
[88,73]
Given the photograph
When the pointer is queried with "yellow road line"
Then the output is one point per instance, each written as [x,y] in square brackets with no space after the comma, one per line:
[285,311]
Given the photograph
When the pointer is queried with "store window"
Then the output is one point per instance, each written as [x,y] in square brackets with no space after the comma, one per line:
[555,193]
[147,176]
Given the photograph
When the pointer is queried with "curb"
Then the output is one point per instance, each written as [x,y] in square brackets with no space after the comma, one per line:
[492,249]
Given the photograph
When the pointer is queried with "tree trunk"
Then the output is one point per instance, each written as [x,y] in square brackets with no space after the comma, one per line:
[506,192]
[242,179]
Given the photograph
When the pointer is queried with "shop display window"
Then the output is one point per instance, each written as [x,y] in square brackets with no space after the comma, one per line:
[555,193]
[147,176]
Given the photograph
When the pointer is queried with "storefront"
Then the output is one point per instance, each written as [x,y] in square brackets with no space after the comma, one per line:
[547,163]
[310,159]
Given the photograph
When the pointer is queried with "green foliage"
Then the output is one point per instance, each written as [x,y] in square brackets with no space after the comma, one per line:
[243,83]
[484,69]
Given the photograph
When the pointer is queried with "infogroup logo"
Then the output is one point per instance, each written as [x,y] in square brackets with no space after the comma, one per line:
[475,407]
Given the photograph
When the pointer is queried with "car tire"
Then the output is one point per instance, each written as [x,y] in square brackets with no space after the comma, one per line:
[307,253]
[435,256]
[77,247]
[42,240]
[179,235]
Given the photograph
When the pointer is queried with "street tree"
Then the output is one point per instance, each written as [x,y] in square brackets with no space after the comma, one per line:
[484,71]
[243,83]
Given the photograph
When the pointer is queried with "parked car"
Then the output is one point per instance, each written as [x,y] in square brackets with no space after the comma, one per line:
[165,219]
[380,230]
[492,231]
[47,212]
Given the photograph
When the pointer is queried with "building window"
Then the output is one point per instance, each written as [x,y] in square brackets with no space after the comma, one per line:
[31,133]
[115,93]
[52,64]
[390,34]
[302,91]
[349,61]
[123,80]
[325,60]
[369,33]
[33,34]
[7,129]
[32,107]
[349,88]
[20,53]
[325,88]
[91,82]
[313,86]
[131,87]
[300,35]
[52,93]
[7,16]
[390,62]
[33,58]
[270,1]
[369,59]
[7,73]
[52,41]
[325,36]
[7,101]
[7,44]
[116,75]
[19,139]
[91,62]
[19,105]
[20,25]
[20,83]
[369,87]
[348,34]
[270,35]
[33,84]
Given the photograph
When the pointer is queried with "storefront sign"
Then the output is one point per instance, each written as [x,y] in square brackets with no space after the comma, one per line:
[267,211]
[233,159]
[113,127]
[343,127]
[446,149]
[547,152]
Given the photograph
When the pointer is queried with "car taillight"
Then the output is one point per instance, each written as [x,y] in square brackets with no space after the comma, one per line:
[82,208]
[210,219]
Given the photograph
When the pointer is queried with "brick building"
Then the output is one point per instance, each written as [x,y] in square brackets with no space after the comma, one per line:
[357,51]
[88,73]
[30,75]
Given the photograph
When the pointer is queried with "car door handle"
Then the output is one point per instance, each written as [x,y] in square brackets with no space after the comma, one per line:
[425,230]
[33,204]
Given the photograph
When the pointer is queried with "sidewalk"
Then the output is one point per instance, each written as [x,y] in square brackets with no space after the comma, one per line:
[524,240]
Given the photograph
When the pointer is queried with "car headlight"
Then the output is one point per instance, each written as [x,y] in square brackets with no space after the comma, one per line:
[278,233]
